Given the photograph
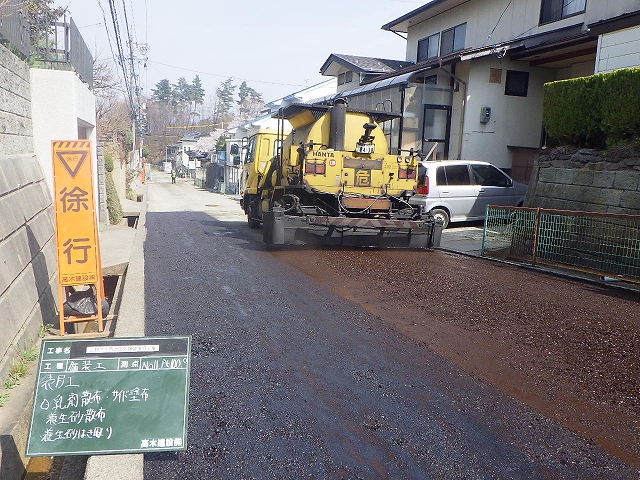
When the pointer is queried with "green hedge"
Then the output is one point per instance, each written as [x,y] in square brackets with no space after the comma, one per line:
[108,162]
[114,206]
[594,111]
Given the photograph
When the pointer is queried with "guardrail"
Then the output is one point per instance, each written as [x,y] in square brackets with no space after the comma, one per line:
[61,46]
[598,243]
[65,49]
[14,27]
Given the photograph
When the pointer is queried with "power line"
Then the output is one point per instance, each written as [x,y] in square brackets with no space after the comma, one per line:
[134,76]
[496,25]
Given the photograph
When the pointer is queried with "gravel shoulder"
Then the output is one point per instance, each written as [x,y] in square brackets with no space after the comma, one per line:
[566,348]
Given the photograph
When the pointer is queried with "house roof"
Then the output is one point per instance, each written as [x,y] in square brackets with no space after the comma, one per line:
[390,80]
[360,64]
[419,15]
[290,112]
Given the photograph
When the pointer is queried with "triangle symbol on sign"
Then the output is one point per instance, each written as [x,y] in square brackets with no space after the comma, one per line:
[72,169]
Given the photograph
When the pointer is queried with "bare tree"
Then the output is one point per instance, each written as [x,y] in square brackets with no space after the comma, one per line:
[106,88]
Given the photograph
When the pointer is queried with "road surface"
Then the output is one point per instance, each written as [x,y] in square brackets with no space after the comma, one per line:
[296,375]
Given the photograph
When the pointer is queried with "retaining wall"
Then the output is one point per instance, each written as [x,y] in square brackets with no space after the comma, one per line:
[28,269]
[587,180]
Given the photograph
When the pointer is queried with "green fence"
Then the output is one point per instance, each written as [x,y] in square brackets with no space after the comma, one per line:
[598,243]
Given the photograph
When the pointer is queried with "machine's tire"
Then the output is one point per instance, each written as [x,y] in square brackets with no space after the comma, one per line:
[442,215]
[251,221]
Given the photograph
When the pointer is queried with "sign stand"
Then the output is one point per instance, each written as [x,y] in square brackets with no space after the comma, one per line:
[63,294]
[76,227]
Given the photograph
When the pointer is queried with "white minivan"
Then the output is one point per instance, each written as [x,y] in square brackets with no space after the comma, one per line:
[460,190]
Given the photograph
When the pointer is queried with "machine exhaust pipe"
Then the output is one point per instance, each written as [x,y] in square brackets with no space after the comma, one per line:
[338,124]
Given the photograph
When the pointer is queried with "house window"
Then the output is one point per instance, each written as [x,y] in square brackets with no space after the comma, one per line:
[517,83]
[428,47]
[553,10]
[453,39]
[345,77]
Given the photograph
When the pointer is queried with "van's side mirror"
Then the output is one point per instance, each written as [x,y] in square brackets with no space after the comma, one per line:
[234,149]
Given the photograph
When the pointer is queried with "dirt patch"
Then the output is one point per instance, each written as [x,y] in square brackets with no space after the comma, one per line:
[566,348]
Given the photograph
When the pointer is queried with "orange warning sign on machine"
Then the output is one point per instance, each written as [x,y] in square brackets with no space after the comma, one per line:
[75,215]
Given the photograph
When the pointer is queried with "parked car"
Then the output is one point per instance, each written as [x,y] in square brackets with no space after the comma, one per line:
[460,190]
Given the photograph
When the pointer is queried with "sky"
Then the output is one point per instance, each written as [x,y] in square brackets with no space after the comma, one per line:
[277,47]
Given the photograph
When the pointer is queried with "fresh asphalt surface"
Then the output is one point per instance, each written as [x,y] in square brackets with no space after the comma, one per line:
[291,381]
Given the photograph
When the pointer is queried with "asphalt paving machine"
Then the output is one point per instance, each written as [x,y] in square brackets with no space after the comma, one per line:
[332,181]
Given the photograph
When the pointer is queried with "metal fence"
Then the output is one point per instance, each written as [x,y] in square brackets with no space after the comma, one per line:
[14,27]
[65,49]
[598,243]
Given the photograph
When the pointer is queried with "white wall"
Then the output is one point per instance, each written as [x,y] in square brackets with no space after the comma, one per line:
[515,121]
[598,10]
[619,49]
[486,17]
[60,101]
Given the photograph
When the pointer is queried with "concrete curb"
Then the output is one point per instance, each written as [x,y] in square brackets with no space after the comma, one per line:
[130,323]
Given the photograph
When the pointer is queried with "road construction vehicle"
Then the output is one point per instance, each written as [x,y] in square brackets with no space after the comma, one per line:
[333,182]
[259,149]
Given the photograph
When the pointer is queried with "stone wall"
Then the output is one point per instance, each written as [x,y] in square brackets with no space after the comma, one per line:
[103,211]
[587,180]
[28,268]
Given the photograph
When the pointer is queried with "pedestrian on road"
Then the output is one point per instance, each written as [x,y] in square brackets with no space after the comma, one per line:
[173,176]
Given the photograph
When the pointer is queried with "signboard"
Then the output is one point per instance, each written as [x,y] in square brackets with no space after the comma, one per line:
[76,221]
[114,395]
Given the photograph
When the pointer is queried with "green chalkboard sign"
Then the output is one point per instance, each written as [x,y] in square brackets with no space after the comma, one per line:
[113,395]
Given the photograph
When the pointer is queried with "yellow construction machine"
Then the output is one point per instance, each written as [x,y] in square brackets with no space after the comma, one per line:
[332,181]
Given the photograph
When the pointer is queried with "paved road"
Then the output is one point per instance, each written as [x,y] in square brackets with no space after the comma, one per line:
[290,380]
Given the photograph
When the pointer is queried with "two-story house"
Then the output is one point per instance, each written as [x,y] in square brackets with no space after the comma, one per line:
[476,69]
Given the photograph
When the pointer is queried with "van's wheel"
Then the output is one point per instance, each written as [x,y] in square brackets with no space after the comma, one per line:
[442,215]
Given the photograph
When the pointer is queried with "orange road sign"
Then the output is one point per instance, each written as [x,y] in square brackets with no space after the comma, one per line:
[76,224]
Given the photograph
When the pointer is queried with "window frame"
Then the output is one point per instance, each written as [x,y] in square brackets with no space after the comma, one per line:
[345,77]
[516,76]
[429,41]
[453,172]
[489,176]
[456,33]
[545,5]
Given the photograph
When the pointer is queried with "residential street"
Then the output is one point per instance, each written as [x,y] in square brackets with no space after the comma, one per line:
[331,363]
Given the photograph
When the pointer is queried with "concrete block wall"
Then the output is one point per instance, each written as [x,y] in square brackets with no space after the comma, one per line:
[28,269]
[103,212]
[586,180]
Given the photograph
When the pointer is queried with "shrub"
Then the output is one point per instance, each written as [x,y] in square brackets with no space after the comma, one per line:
[593,111]
[108,162]
[620,106]
[113,201]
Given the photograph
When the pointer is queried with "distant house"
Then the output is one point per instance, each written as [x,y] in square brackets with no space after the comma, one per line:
[352,71]
[471,86]
[185,146]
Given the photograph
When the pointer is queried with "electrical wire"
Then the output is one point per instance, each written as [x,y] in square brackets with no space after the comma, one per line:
[496,25]
[104,17]
[134,76]
[120,54]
